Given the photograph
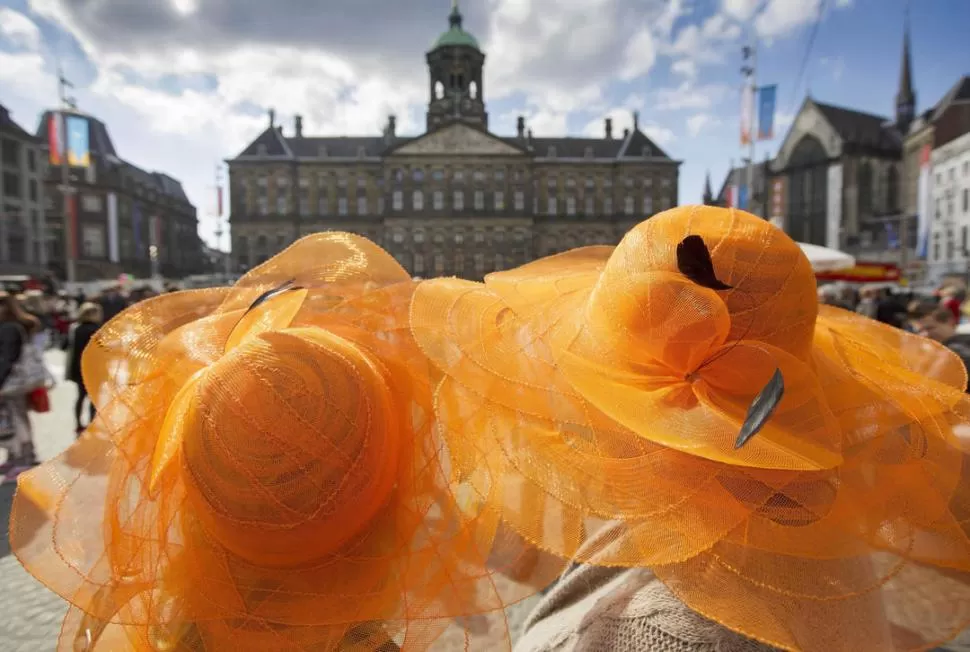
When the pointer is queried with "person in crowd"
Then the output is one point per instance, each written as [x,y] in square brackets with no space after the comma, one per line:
[952,296]
[36,303]
[16,435]
[868,301]
[112,302]
[89,318]
[940,325]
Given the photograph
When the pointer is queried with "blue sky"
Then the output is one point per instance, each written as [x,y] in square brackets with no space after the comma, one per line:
[183,84]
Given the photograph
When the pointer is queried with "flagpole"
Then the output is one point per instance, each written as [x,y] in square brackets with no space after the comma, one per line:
[749,70]
[67,190]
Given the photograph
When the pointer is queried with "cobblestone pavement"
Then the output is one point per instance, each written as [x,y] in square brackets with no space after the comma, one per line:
[30,615]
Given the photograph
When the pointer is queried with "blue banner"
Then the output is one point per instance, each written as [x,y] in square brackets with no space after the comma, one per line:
[892,236]
[766,112]
[136,228]
[742,198]
[78,150]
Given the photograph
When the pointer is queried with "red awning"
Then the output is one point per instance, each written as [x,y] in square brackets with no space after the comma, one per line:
[864,272]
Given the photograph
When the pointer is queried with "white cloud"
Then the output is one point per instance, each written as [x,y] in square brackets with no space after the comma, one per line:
[685,67]
[701,121]
[741,10]
[659,134]
[18,30]
[640,55]
[689,96]
[781,17]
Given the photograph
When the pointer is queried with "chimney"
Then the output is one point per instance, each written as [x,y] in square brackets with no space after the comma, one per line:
[528,137]
[392,126]
[520,126]
[609,129]
[298,126]
[636,121]
[626,132]
[272,118]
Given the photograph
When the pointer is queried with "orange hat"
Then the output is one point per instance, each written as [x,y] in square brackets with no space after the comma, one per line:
[790,471]
[262,474]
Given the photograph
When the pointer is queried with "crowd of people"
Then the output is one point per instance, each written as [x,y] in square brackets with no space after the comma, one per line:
[943,316]
[31,322]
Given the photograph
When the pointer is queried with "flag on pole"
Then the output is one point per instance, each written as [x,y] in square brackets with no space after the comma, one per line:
[923,202]
[766,111]
[747,114]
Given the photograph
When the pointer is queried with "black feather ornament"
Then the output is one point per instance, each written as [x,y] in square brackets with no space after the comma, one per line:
[761,409]
[269,294]
[694,262]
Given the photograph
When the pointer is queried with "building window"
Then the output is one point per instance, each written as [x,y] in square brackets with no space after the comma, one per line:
[459,238]
[648,182]
[397,200]
[341,206]
[588,152]
[479,200]
[664,203]
[479,175]
[499,200]
[397,237]
[551,181]
[362,205]
[323,205]
[281,204]
[648,205]
[570,205]
[551,207]
[628,205]
[439,264]
[458,200]
[628,181]
[417,175]
[570,182]
[608,206]
[419,236]
[966,200]
[552,152]
[437,175]
[417,200]
[500,174]
[520,200]
[262,204]
[89,203]
[499,262]
[92,241]
[588,205]
[439,200]
[418,264]
[479,263]
[590,182]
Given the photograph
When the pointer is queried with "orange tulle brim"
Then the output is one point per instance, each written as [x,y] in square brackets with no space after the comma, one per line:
[265,475]
[610,388]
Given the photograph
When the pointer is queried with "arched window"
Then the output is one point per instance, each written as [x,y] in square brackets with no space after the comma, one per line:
[892,190]
[473,90]
[864,183]
[439,90]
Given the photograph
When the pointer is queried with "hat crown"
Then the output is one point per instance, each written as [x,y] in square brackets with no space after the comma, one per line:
[289,431]
[772,298]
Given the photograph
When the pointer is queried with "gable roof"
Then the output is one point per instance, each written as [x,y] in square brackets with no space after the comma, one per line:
[862,129]
[483,135]
[9,126]
[635,145]
[959,92]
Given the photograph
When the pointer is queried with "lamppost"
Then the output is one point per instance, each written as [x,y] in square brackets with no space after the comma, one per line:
[66,188]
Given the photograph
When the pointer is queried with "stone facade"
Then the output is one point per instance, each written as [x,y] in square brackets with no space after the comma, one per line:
[23,223]
[456,200]
[152,214]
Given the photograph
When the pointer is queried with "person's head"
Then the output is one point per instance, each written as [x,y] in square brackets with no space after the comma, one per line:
[90,313]
[11,310]
[939,325]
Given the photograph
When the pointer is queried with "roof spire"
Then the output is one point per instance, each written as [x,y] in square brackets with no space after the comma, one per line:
[454,19]
[905,96]
[708,194]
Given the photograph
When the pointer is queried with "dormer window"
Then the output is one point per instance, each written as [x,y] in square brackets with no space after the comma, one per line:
[322,151]
[645,152]
[260,150]
[361,152]
[552,152]
[588,152]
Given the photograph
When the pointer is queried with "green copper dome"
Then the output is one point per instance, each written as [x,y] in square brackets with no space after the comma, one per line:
[455,34]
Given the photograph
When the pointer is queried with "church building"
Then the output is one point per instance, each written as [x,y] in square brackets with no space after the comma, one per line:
[457,199]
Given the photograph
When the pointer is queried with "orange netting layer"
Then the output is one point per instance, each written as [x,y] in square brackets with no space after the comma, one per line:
[263,474]
[613,387]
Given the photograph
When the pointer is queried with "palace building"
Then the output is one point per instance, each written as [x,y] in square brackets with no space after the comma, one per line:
[455,200]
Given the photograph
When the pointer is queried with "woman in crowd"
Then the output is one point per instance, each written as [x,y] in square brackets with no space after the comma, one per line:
[89,318]
[16,436]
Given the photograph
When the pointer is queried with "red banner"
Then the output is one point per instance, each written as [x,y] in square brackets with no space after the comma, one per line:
[864,272]
[55,137]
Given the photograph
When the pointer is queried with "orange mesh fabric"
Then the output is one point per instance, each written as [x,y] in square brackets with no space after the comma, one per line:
[266,477]
[609,385]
